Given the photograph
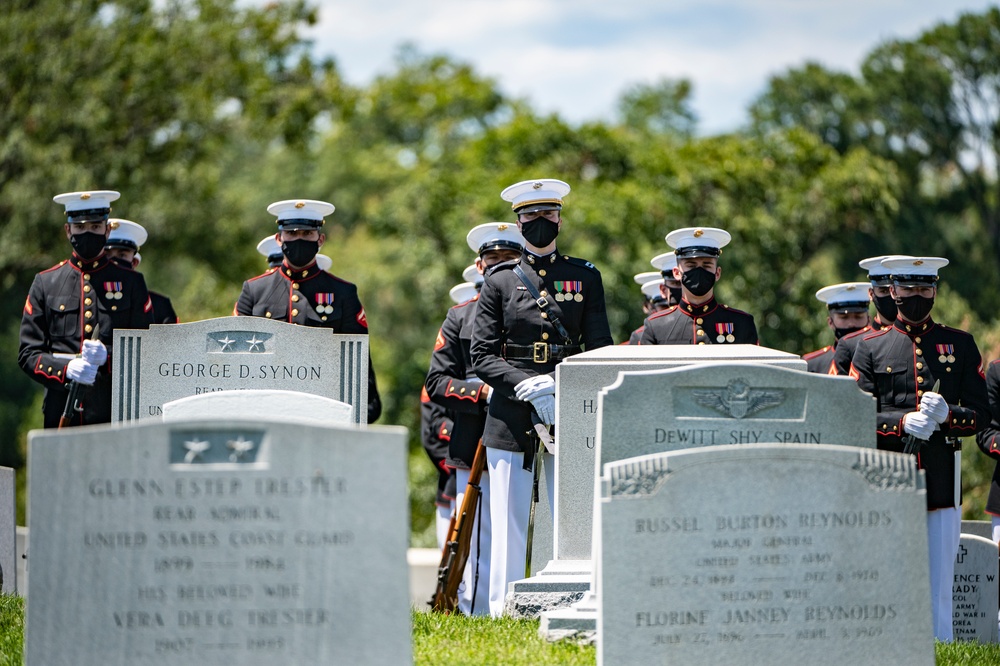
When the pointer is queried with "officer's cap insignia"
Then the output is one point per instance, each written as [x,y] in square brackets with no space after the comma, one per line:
[918,262]
[537,186]
[501,227]
[738,400]
[300,204]
[85,196]
[112,225]
[699,233]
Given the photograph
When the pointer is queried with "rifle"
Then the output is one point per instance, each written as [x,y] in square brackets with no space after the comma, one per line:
[544,443]
[455,553]
[73,405]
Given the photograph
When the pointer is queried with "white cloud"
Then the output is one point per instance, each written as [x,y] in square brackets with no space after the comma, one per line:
[575,57]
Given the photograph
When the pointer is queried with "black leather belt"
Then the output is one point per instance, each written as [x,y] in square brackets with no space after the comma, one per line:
[540,352]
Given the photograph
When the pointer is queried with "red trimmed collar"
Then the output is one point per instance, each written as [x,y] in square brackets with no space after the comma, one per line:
[100,262]
[307,273]
[913,329]
[698,310]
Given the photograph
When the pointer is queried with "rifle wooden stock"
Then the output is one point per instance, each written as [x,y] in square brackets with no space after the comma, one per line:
[455,553]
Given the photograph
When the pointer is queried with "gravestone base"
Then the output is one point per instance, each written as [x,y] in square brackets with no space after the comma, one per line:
[528,598]
[578,621]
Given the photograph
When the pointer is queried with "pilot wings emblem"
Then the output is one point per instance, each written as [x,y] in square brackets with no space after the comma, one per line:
[738,399]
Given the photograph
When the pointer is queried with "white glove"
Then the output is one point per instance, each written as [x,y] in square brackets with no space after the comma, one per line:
[535,386]
[488,390]
[80,371]
[934,405]
[919,425]
[94,352]
[545,407]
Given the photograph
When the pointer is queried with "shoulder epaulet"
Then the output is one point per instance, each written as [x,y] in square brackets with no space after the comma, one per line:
[464,303]
[269,271]
[855,334]
[953,330]
[661,313]
[731,309]
[818,352]
[874,334]
[59,265]
[341,280]
[580,262]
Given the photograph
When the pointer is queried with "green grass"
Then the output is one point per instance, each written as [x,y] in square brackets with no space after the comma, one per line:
[452,640]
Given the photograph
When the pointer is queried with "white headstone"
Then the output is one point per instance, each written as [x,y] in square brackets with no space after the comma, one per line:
[169,362]
[975,592]
[764,554]
[218,542]
[8,531]
[280,406]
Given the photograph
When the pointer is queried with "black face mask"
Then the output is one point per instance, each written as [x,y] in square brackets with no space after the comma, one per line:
[914,308]
[300,252]
[698,281]
[87,245]
[886,306]
[540,231]
[841,332]
[675,295]
[121,262]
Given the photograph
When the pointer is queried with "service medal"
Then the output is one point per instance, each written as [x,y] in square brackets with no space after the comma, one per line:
[118,295]
[951,358]
[947,353]
[730,338]
[323,303]
[109,295]
[578,298]
[725,332]
[560,297]
[943,358]
[721,338]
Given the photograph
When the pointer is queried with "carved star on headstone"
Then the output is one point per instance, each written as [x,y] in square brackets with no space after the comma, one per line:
[195,448]
[239,447]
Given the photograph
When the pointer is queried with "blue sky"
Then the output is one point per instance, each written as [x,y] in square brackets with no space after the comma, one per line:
[576,57]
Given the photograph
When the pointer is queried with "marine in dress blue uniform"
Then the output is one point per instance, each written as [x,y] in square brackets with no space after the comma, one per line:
[68,301]
[847,308]
[516,345]
[698,319]
[123,245]
[452,383]
[901,366]
[885,310]
[660,289]
[299,291]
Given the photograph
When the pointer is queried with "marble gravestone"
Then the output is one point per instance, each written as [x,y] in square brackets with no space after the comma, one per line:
[169,362]
[277,405]
[975,592]
[8,531]
[729,554]
[579,380]
[216,542]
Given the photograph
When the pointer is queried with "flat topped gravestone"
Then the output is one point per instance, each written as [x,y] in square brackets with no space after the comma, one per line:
[218,542]
[764,554]
[275,405]
[974,593]
[579,379]
[8,531]
[169,362]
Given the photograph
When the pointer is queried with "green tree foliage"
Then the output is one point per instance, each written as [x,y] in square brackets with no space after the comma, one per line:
[661,108]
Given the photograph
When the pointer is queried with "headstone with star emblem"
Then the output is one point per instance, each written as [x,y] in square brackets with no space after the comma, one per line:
[218,542]
[975,593]
[702,405]
[167,363]
[764,554]
[278,405]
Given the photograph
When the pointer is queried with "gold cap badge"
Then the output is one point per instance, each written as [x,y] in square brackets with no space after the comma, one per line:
[300,204]
[85,196]
[699,233]
[537,186]
[501,227]
[918,262]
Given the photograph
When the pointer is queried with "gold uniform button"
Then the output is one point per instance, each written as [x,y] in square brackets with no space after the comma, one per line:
[545,336]
[948,369]
[62,307]
[544,293]
[917,339]
[545,315]
[114,307]
[295,285]
[267,314]
[888,369]
[701,332]
[920,366]
[919,352]
[699,320]
[87,301]
[295,312]
[919,393]
[86,276]
[323,318]
[920,380]
[462,391]
[295,298]
[702,342]
[88,314]
[542,273]
[88,328]
[50,369]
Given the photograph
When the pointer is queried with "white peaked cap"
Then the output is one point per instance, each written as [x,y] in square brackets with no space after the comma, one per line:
[914,270]
[495,235]
[324,262]
[463,291]
[269,246]
[874,264]
[664,262]
[848,295]
[472,274]
[643,278]
[698,241]
[547,193]
[300,209]
[88,200]
[126,233]
[652,289]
